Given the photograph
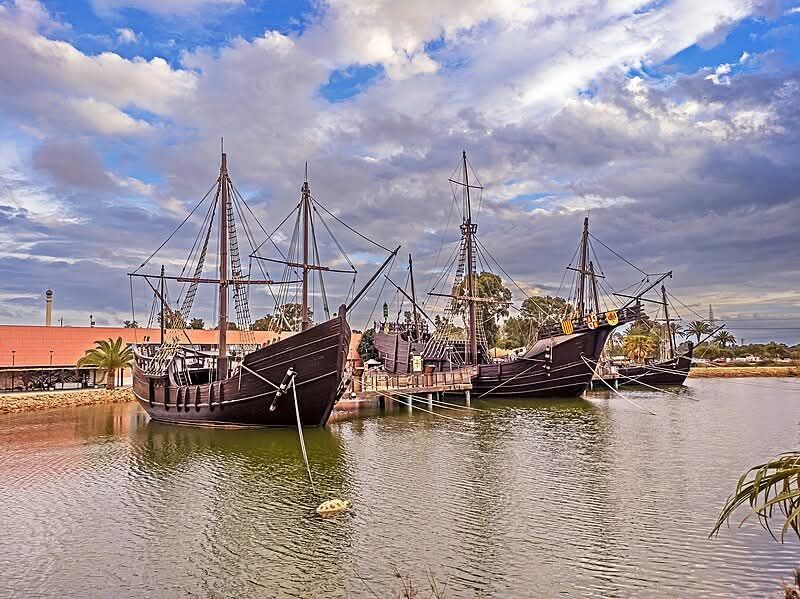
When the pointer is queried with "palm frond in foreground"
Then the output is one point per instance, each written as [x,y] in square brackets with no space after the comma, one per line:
[771,490]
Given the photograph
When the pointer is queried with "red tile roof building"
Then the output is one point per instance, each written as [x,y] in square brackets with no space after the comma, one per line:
[31,346]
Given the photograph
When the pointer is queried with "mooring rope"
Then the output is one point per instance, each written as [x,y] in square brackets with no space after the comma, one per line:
[437,402]
[507,381]
[413,407]
[300,430]
[638,382]
[618,393]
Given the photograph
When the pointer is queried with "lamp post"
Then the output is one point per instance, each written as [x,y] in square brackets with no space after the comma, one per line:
[13,362]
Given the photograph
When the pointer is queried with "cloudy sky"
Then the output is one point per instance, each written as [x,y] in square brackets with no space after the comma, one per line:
[675,123]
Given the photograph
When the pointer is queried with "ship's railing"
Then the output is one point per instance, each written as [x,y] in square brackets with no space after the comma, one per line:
[382,381]
[623,316]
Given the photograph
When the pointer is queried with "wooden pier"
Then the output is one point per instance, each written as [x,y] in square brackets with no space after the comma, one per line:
[377,383]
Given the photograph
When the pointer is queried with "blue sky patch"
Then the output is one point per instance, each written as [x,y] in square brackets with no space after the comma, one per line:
[351,81]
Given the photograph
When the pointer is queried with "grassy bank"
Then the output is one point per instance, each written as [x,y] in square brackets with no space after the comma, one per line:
[742,371]
[28,402]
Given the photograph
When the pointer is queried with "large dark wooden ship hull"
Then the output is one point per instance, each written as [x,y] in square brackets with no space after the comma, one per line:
[555,367]
[318,355]
[669,372]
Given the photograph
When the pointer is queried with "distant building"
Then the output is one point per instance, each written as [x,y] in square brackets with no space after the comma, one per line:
[35,357]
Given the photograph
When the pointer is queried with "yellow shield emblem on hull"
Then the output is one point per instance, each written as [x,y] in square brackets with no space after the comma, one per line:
[591,321]
[567,327]
[612,318]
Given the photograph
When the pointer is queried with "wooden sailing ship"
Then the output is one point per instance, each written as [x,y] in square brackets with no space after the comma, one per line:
[672,370]
[560,363]
[295,380]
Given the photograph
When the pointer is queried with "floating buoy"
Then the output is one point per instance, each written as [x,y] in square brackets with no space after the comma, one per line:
[332,507]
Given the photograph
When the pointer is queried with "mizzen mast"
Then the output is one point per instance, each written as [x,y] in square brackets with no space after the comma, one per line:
[413,298]
[222,359]
[670,332]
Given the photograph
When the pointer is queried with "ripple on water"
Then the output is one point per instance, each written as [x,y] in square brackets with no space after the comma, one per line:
[589,498]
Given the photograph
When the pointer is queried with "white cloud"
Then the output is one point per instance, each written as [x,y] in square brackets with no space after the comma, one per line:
[720,76]
[105,118]
[126,35]
[46,73]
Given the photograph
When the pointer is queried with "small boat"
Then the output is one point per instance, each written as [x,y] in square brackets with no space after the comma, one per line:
[671,371]
[250,385]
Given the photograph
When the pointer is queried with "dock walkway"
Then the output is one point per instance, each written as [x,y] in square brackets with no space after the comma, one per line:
[377,383]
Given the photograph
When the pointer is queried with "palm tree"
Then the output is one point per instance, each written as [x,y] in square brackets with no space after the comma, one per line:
[767,488]
[638,347]
[109,355]
[724,338]
[698,328]
[616,342]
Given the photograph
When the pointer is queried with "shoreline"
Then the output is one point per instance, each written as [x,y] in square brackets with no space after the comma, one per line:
[743,371]
[33,401]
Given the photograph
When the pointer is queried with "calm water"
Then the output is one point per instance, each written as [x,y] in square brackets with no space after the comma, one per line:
[583,498]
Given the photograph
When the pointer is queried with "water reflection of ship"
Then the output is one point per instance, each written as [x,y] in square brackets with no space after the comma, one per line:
[241,499]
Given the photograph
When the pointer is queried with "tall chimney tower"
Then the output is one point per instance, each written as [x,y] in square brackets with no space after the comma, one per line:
[48,308]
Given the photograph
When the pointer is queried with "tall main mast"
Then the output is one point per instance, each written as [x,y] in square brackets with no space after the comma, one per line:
[467,230]
[222,359]
[306,198]
[583,271]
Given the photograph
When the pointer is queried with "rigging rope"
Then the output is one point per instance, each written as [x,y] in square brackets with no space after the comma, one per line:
[183,222]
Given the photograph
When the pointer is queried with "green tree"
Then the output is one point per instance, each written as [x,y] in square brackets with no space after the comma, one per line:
[130,324]
[452,332]
[287,318]
[724,338]
[615,343]
[518,332]
[697,328]
[197,323]
[541,308]
[366,347]
[488,286]
[638,347]
[108,355]
[172,318]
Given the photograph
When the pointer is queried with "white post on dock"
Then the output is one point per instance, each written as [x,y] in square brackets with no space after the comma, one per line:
[430,401]
[466,395]
[410,402]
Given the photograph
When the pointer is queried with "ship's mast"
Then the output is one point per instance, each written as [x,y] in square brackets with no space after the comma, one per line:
[306,197]
[468,229]
[222,359]
[670,332]
[413,298]
[163,322]
[595,297]
[583,271]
